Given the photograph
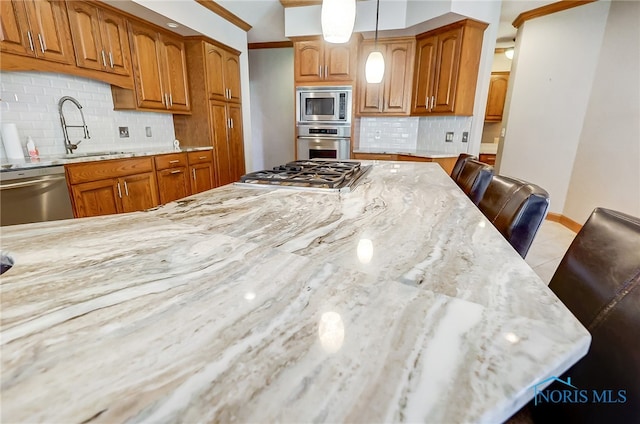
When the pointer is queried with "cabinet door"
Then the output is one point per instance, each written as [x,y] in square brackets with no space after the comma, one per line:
[96,198]
[236,142]
[175,69]
[370,97]
[424,76]
[147,61]
[85,30]
[496,97]
[50,29]
[308,61]
[139,192]
[220,122]
[340,62]
[14,34]
[214,65]
[201,177]
[173,184]
[232,76]
[397,81]
[115,42]
[444,87]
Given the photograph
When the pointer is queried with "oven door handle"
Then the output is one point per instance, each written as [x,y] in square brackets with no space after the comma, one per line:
[49,178]
[323,137]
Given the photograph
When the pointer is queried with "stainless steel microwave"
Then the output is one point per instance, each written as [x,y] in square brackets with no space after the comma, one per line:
[323,104]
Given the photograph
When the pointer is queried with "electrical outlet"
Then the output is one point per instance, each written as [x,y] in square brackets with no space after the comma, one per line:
[448,137]
[465,137]
[147,130]
[377,134]
[124,132]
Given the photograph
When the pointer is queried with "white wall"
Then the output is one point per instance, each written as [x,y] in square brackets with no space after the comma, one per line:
[272,106]
[607,165]
[30,100]
[550,85]
[201,19]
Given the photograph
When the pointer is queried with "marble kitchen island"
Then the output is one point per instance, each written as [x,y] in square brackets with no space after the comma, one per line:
[396,302]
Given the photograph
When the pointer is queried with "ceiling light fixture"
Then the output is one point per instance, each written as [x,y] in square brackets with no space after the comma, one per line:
[172,25]
[509,53]
[374,68]
[337,19]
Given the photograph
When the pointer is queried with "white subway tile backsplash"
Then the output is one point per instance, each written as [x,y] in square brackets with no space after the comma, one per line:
[30,100]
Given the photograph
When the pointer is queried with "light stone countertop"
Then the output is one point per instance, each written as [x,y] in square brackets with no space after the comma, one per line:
[396,302]
[45,161]
[430,154]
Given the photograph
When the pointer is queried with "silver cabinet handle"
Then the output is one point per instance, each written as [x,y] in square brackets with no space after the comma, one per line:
[126,188]
[433,101]
[326,71]
[320,71]
[426,102]
[171,99]
[202,157]
[30,40]
[174,161]
[228,123]
[194,174]
[111,59]
[42,46]
[119,191]
[104,59]
[177,171]
[231,120]
[166,100]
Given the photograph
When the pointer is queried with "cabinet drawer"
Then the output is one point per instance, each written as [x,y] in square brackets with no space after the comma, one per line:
[200,157]
[94,171]
[171,160]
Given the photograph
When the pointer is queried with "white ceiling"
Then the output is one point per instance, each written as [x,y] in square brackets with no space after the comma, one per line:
[267,17]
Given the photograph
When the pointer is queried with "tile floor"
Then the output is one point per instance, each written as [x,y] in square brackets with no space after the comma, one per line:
[548,248]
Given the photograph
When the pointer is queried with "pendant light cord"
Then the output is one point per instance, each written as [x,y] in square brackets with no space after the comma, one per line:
[377,14]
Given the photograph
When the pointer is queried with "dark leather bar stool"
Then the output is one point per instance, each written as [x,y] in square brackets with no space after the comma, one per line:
[462,158]
[599,281]
[516,208]
[473,179]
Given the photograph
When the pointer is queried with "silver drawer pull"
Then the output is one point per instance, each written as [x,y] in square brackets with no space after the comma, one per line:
[202,157]
[42,46]
[30,40]
[104,59]
[177,171]
[111,59]
[174,161]
[119,191]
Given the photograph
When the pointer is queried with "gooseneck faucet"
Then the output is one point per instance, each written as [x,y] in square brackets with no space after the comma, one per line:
[67,142]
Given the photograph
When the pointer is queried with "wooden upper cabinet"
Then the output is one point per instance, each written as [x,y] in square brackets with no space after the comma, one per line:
[100,38]
[223,74]
[317,61]
[37,28]
[393,95]
[175,73]
[497,96]
[160,69]
[446,69]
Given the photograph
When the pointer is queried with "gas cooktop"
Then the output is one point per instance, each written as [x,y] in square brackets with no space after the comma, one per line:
[320,175]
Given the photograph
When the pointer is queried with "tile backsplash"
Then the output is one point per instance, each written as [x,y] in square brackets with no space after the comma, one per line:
[411,133]
[30,100]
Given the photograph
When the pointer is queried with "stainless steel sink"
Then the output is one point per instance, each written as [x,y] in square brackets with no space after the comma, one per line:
[91,154]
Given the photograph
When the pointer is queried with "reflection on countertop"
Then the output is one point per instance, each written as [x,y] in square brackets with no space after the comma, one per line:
[63,159]
[430,154]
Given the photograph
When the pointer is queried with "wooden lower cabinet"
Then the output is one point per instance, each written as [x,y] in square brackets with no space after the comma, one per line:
[173,184]
[201,171]
[446,163]
[488,158]
[112,186]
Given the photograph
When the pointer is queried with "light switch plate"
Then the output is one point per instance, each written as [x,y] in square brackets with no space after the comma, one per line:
[124,132]
[465,137]
[448,137]
[147,130]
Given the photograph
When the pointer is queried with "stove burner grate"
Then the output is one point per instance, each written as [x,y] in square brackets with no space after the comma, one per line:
[307,173]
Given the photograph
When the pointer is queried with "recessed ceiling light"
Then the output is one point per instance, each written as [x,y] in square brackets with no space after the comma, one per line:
[172,25]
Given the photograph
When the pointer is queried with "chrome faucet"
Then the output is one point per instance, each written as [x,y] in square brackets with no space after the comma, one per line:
[67,142]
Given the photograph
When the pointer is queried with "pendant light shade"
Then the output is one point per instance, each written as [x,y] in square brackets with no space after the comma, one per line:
[509,53]
[338,18]
[374,68]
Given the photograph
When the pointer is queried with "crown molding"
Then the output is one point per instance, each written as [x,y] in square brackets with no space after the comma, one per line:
[547,10]
[224,13]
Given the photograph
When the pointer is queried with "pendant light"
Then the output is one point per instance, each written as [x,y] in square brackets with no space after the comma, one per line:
[337,19]
[509,53]
[374,68]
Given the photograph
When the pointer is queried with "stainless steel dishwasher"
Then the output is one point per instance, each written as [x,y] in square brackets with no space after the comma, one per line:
[34,195]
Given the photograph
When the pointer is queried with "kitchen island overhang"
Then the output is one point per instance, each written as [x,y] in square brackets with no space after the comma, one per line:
[258,305]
